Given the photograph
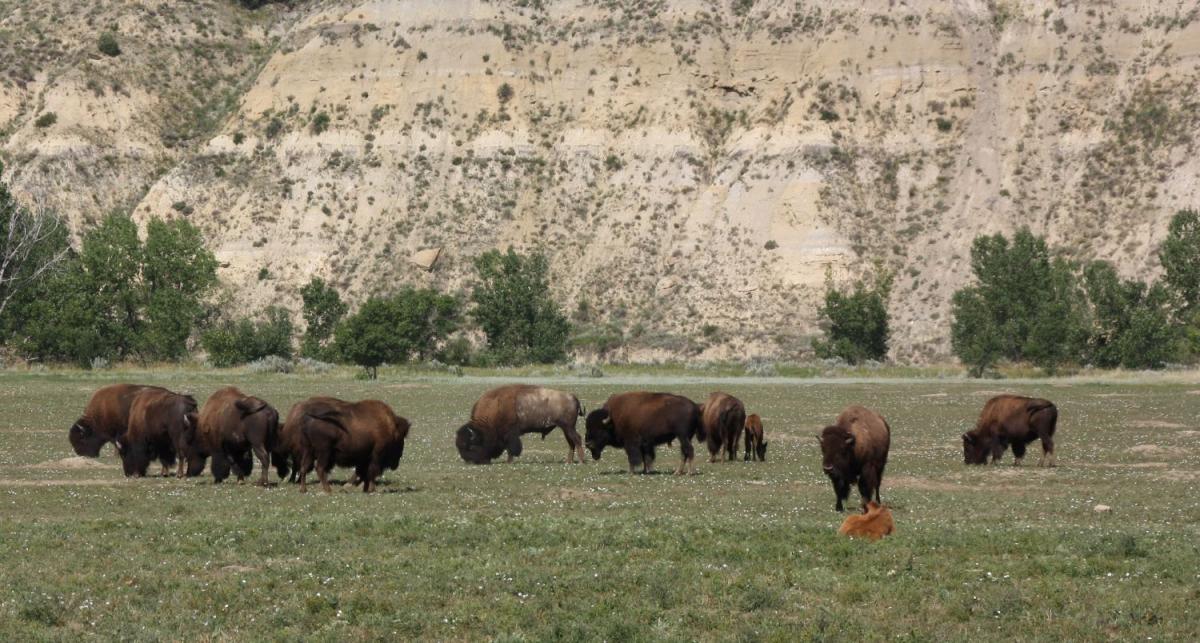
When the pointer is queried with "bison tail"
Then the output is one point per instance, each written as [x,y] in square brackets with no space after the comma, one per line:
[328,415]
[579,408]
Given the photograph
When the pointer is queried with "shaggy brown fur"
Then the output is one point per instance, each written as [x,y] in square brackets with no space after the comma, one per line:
[1015,420]
[105,418]
[232,426]
[855,448]
[639,422]
[366,435]
[504,414]
[161,424]
[724,417]
[874,523]
[756,446]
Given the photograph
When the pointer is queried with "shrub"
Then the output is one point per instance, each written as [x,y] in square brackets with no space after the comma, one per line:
[238,342]
[504,93]
[319,123]
[514,308]
[323,309]
[396,329]
[46,120]
[856,324]
[270,364]
[108,45]
[613,163]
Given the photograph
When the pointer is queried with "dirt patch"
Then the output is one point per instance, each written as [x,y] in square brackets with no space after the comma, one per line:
[1154,450]
[238,569]
[923,484]
[1157,424]
[1133,465]
[398,387]
[1188,434]
[73,463]
[579,494]
[992,393]
[1177,475]
[1114,394]
[1196,392]
[62,483]
[935,395]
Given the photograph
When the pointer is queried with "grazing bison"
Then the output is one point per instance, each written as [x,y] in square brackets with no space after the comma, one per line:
[105,418]
[756,446]
[232,426]
[1015,420]
[503,415]
[855,448]
[161,424]
[366,435]
[724,417]
[638,422]
[874,523]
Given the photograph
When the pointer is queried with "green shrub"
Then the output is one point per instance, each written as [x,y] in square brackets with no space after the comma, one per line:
[319,123]
[408,325]
[514,308]
[323,309]
[108,45]
[46,120]
[856,324]
[234,342]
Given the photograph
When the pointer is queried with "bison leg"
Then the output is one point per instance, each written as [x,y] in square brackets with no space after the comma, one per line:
[1047,459]
[514,446]
[648,459]
[220,467]
[868,485]
[687,455]
[323,474]
[264,460]
[634,453]
[1018,448]
[574,444]
[306,463]
[998,449]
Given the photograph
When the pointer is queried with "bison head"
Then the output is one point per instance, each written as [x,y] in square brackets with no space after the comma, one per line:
[84,438]
[470,444]
[975,449]
[762,451]
[599,432]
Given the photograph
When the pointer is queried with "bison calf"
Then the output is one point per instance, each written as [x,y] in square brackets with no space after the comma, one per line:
[1015,420]
[723,417]
[366,435]
[502,415]
[161,425]
[855,448]
[874,523]
[756,446]
[105,418]
[639,422]
[232,426]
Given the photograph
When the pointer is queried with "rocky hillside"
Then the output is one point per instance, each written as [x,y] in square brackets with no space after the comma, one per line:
[693,168]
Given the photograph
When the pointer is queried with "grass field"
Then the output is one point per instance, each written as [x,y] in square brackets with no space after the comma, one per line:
[541,550]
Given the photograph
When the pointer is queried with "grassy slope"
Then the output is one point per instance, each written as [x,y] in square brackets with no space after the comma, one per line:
[542,550]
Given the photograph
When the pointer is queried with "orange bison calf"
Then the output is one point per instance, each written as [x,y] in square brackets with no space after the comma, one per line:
[639,422]
[874,523]
[724,417]
[756,446]
[366,435]
[232,426]
[161,425]
[1015,420]
[855,448]
[504,414]
[105,419]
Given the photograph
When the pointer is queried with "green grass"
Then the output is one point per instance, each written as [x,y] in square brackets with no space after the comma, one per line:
[541,550]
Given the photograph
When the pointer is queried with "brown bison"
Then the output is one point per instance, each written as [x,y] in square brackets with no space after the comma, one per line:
[638,422]
[232,426]
[161,425]
[366,435]
[1015,420]
[105,418]
[503,415]
[873,523]
[756,446]
[855,448]
[724,417]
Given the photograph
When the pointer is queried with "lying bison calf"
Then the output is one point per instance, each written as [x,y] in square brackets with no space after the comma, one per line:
[503,415]
[161,425]
[723,417]
[366,435]
[756,446]
[873,523]
[1015,420]
[105,418]
[232,426]
[638,422]
[855,448]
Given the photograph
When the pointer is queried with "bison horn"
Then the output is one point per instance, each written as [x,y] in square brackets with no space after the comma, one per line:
[966,437]
[607,420]
[849,440]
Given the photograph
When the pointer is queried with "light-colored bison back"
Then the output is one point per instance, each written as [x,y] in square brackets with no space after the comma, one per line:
[871,434]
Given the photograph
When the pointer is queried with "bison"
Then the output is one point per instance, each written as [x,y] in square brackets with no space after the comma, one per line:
[105,418]
[1015,420]
[503,415]
[366,435]
[638,422]
[724,417]
[873,523]
[232,426]
[161,425]
[855,448]
[756,446]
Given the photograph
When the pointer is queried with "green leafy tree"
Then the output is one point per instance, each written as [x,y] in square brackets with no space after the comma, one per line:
[323,309]
[856,322]
[396,329]
[514,308]
[1059,326]
[1180,257]
[975,336]
[1151,340]
[58,321]
[177,271]
[234,342]
[111,259]
[33,245]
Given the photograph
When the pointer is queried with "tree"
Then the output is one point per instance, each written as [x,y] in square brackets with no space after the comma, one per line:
[177,271]
[323,309]
[1180,257]
[33,244]
[1058,328]
[111,260]
[233,342]
[975,336]
[857,323]
[514,308]
[396,329]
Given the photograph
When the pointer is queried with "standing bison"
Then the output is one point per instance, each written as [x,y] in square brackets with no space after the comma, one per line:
[1015,420]
[855,448]
[232,426]
[503,415]
[638,422]
[724,417]
[756,446]
[104,419]
[162,424]
[366,435]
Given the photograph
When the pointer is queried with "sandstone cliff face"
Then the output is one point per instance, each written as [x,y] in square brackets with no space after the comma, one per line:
[694,169]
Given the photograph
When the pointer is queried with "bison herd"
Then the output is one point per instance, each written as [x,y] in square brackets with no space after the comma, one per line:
[148,423]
